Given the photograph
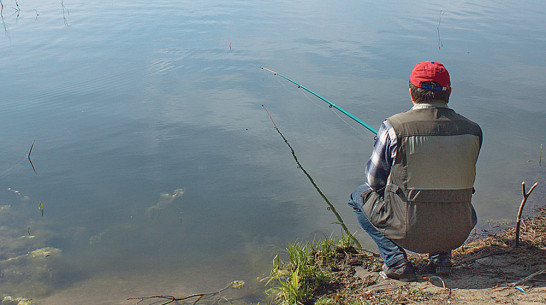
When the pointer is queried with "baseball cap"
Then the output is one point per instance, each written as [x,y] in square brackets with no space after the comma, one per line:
[430,71]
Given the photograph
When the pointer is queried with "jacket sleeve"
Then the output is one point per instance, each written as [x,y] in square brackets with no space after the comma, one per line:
[379,165]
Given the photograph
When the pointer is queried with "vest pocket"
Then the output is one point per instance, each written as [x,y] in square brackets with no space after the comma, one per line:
[396,201]
[387,213]
[375,209]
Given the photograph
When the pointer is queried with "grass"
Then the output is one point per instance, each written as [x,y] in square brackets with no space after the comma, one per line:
[324,271]
[300,279]
[540,156]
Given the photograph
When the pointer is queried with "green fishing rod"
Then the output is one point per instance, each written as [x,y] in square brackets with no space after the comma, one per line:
[327,101]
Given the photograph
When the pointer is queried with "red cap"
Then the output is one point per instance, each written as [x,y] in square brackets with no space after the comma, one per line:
[427,71]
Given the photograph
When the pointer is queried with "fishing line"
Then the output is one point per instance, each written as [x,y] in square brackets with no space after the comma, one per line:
[321,106]
[327,101]
[8,171]
[350,125]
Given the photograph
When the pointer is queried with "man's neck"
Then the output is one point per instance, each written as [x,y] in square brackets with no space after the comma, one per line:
[432,104]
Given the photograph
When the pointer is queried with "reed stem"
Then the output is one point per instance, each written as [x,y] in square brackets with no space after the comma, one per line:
[540,157]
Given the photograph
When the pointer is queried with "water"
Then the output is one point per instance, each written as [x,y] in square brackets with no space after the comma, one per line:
[160,172]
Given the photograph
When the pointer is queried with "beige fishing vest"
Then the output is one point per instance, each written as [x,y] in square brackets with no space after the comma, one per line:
[426,205]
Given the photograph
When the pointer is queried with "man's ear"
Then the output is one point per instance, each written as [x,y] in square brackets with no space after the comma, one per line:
[411,95]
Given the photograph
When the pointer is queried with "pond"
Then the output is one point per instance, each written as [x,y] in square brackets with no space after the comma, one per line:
[155,168]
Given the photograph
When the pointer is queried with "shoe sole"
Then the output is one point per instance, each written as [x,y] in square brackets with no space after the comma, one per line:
[385,277]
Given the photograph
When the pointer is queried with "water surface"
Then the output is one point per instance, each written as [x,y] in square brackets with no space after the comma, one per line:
[161,173]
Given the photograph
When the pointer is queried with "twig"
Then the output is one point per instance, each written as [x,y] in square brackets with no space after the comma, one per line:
[525,196]
[29,152]
[437,277]
[2,15]
[527,278]
[440,44]
[18,9]
[170,299]
[64,14]
[330,205]
[368,251]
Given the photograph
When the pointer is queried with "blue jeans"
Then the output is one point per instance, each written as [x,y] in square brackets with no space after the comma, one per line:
[389,250]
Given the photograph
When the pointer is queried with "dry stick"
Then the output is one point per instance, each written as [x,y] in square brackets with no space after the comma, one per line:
[527,278]
[330,205]
[29,152]
[2,15]
[525,196]
[64,15]
[437,277]
[170,299]
[440,44]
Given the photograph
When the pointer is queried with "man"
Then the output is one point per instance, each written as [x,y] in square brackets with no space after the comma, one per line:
[420,178]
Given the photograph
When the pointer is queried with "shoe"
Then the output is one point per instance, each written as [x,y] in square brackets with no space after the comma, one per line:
[402,271]
[440,263]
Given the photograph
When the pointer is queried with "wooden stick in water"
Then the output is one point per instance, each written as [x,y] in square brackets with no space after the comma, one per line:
[29,152]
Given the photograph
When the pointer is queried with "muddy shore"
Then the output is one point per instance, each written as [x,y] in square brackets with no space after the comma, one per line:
[488,269]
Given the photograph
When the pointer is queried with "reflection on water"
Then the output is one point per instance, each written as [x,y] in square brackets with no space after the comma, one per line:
[157,168]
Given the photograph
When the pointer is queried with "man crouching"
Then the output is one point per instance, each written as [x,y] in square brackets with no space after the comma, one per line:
[420,178]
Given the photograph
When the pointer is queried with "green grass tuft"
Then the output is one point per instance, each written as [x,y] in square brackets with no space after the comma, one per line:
[299,280]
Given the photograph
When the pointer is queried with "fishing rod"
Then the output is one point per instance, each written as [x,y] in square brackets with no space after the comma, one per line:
[327,101]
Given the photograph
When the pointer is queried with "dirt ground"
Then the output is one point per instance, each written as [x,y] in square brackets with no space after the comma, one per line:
[488,269]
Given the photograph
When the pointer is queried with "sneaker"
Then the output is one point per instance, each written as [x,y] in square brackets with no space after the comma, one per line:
[440,264]
[402,271]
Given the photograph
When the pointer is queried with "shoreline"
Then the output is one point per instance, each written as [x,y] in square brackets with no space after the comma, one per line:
[487,269]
